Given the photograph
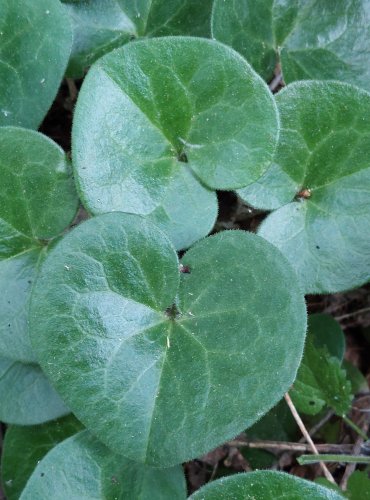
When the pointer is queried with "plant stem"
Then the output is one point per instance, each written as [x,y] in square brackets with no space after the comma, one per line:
[305,433]
[353,426]
[286,446]
[276,81]
[348,459]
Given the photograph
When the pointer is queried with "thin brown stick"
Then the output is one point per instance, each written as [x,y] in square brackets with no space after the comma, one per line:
[318,426]
[305,433]
[355,313]
[288,446]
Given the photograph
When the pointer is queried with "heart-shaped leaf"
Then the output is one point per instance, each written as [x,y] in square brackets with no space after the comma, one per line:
[142,361]
[35,176]
[25,446]
[325,150]
[26,397]
[266,485]
[102,25]
[188,211]
[147,107]
[315,40]
[82,468]
[35,44]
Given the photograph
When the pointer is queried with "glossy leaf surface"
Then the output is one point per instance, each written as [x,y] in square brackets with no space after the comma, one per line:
[35,44]
[145,375]
[325,40]
[325,149]
[83,468]
[35,176]
[321,381]
[200,102]
[266,485]
[24,447]
[102,25]
[188,211]
[26,396]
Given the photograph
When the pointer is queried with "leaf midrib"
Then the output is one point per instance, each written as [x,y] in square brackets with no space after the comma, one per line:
[149,121]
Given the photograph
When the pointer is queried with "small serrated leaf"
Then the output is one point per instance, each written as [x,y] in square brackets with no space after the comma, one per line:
[321,381]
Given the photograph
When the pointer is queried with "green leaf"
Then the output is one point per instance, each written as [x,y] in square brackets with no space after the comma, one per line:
[358,381]
[358,486]
[324,482]
[188,211]
[35,177]
[137,122]
[273,189]
[35,44]
[324,148]
[325,331]
[266,485]
[142,361]
[26,397]
[246,26]
[321,381]
[24,447]
[102,25]
[278,425]
[82,468]
[315,40]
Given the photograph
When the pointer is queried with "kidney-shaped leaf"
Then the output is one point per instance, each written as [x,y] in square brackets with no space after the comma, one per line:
[35,44]
[147,107]
[102,25]
[82,468]
[25,446]
[35,177]
[264,485]
[26,396]
[162,373]
[325,150]
[326,40]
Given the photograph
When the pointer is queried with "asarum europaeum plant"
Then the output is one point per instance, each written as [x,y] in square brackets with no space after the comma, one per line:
[121,358]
